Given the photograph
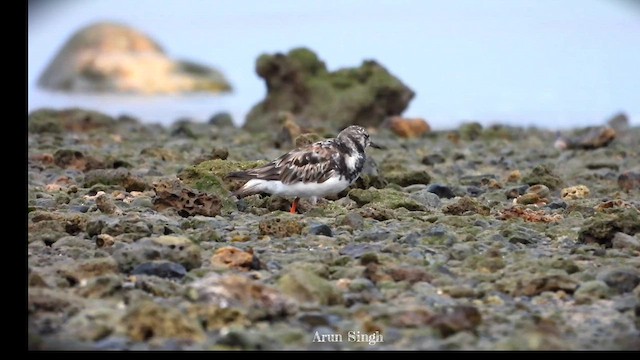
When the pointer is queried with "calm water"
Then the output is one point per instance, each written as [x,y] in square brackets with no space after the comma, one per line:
[549,63]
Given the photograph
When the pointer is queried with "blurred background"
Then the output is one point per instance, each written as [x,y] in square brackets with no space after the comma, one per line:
[545,63]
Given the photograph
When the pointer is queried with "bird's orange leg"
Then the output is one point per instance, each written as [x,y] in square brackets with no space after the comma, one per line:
[294,205]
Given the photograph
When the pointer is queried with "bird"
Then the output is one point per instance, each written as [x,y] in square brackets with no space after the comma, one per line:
[319,169]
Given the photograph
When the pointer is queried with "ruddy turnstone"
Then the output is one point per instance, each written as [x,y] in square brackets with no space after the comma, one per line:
[316,170]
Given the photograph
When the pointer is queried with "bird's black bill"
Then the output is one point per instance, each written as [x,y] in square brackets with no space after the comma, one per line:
[377,146]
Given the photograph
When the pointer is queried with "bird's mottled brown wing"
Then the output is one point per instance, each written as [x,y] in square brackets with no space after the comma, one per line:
[312,163]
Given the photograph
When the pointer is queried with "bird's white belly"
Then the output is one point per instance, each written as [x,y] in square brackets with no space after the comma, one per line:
[331,186]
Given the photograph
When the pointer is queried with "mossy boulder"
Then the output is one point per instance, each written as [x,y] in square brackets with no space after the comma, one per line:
[603,227]
[300,83]
[210,177]
[386,198]
[543,174]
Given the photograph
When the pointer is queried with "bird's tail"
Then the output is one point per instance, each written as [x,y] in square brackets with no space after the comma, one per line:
[249,188]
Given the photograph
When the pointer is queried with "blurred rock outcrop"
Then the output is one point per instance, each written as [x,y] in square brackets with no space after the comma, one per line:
[110,57]
[300,83]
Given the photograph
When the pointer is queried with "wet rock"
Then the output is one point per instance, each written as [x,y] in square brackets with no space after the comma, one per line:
[170,248]
[620,280]
[306,286]
[590,291]
[93,324]
[72,120]
[539,284]
[629,180]
[216,153]
[603,227]
[426,198]
[73,159]
[411,275]
[575,192]
[516,191]
[107,206]
[557,204]
[406,128]
[388,198]
[530,198]
[252,299]
[148,320]
[119,177]
[442,191]
[456,319]
[464,206]
[352,220]
[432,159]
[541,190]
[172,194]
[281,226]
[157,287]
[528,215]
[321,229]
[100,287]
[299,82]
[163,269]
[358,250]
[111,57]
[543,174]
[82,270]
[407,177]
[623,241]
[234,258]
[593,139]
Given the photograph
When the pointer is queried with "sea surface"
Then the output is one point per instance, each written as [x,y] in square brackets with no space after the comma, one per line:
[544,63]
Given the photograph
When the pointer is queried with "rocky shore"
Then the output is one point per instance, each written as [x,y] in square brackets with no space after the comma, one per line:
[475,238]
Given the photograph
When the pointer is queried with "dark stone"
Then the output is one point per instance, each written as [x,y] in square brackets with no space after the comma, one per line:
[475,191]
[321,229]
[432,159]
[441,190]
[557,204]
[621,280]
[79,208]
[629,180]
[163,269]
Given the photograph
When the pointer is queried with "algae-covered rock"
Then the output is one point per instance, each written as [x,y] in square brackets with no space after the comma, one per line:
[250,298]
[543,174]
[590,291]
[149,320]
[386,198]
[210,177]
[306,286]
[300,83]
[171,248]
[407,177]
[120,177]
[466,205]
[603,227]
